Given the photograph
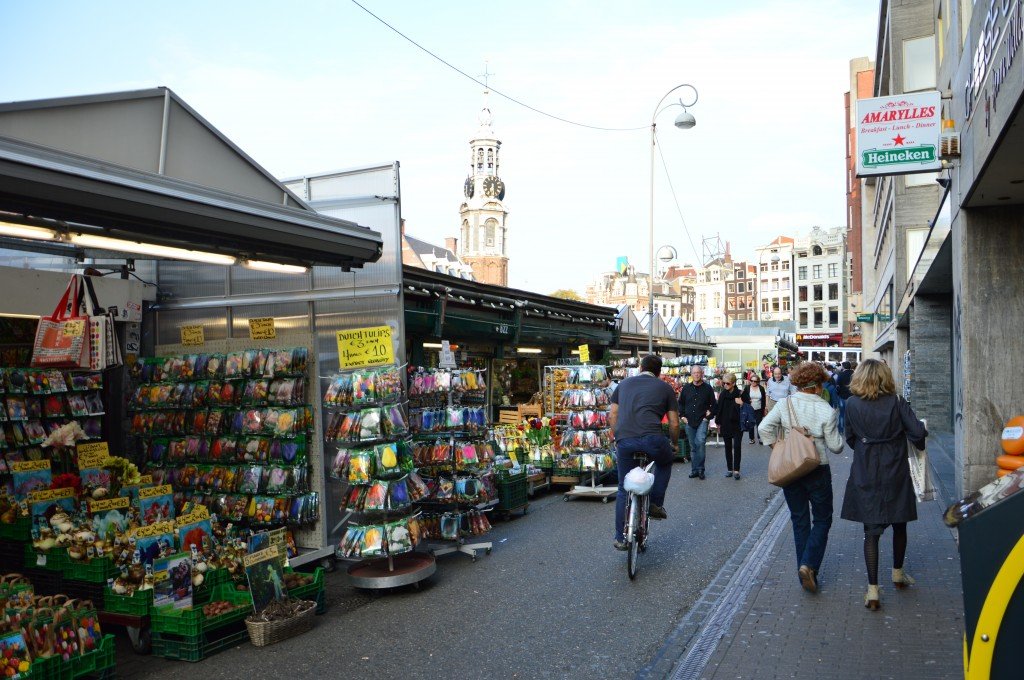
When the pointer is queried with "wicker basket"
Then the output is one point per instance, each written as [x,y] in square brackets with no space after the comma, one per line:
[267,633]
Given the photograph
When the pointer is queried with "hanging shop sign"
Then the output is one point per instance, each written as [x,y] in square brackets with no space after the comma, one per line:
[447,355]
[365,347]
[1002,33]
[193,336]
[584,353]
[898,135]
[262,328]
[865,318]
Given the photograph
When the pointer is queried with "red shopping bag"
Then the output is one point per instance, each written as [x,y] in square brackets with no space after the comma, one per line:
[62,339]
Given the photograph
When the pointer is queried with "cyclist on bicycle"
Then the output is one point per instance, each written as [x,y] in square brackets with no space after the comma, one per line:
[639,404]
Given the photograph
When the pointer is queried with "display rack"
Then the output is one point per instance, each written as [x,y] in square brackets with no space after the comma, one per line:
[368,430]
[580,396]
[450,422]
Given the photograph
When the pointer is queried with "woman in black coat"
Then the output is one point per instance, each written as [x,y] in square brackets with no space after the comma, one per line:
[880,492]
[727,417]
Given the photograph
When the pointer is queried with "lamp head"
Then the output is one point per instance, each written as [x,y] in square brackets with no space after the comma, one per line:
[685,120]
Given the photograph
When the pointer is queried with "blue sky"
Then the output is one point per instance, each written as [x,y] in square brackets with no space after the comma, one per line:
[325,86]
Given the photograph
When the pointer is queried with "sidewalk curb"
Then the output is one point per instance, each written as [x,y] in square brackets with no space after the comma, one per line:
[690,646]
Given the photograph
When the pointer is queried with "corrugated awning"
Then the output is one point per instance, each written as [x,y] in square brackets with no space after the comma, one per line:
[119,202]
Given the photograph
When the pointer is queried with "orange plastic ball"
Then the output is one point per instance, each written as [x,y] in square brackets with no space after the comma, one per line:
[1013,436]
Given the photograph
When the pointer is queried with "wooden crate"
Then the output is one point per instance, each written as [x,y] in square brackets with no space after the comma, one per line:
[509,417]
[529,411]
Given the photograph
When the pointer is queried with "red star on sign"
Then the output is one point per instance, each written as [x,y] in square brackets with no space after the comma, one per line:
[898,140]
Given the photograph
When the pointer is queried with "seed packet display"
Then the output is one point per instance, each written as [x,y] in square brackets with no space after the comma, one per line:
[17,408]
[35,432]
[251,479]
[29,476]
[361,467]
[398,495]
[288,450]
[14,655]
[156,504]
[339,392]
[173,581]
[16,381]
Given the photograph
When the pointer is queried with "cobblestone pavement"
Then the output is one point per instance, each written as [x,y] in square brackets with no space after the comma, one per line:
[780,631]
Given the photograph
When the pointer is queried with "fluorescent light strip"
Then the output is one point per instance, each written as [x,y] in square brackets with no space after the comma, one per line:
[529,350]
[274,267]
[116,244]
[431,345]
[25,231]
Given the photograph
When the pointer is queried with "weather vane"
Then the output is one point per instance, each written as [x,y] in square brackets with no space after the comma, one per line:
[486,74]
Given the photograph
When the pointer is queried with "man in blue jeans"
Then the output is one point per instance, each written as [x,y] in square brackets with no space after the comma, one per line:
[696,404]
[639,404]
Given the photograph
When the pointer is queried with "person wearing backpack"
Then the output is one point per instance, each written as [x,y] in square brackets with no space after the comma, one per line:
[843,380]
[809,497]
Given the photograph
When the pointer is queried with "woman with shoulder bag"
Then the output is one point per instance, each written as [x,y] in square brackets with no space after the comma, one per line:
[809,497]
[754,395]
[880,492]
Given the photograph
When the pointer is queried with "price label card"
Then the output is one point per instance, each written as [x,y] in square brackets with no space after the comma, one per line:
[92,455]
[584,353]
[74,329]
[193,336]
[365,347]
[262,328]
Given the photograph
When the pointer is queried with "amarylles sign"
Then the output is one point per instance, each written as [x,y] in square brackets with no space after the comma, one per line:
[898,135]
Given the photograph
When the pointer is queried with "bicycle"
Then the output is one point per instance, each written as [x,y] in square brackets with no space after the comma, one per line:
[635,532]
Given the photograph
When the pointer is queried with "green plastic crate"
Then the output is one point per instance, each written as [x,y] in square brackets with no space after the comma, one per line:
[199,647]
[311,589]
[137,604]
[192,622]
[54,560]
[513,492]
[20,530]
[211,579]
[96,570]
[45,669]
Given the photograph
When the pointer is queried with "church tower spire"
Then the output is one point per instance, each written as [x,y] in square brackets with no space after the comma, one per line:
[484,237]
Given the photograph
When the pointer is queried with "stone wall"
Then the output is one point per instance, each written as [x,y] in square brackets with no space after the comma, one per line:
[930,347]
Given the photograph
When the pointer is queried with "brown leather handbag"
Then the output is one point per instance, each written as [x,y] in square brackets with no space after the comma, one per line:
[794,454]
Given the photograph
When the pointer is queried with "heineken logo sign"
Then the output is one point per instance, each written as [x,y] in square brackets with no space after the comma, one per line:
[917,154]
[898,135]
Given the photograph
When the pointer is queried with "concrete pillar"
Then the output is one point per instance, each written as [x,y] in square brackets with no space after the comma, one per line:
[930,346]
[988,320]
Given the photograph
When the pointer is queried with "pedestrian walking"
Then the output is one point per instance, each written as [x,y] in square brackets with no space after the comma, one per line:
[696,405]
[754,396]
[778,388]
[843,378]
[880,492]
[810,497]
[727,416]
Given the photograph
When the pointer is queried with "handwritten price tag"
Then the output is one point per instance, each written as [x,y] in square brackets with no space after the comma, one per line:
[262,328]
[193,336]
[74,329]
[364,347]
[92,455]
[584,353]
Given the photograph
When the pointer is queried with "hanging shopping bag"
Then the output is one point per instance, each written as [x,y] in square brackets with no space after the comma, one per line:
[62,339]
[104,351]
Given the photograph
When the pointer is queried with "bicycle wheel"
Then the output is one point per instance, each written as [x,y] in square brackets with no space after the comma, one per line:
[644,525]
[633,538]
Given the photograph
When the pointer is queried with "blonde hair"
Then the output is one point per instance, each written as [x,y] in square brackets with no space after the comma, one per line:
[872,380]
[729,377]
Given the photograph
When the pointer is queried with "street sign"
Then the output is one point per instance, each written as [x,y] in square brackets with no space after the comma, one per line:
[865,318]
[898,135]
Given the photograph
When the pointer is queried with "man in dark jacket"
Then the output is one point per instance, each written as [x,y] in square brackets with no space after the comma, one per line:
[696,404]
[843,379]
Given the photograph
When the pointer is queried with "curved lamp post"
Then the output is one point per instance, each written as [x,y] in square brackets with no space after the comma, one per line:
[684,121]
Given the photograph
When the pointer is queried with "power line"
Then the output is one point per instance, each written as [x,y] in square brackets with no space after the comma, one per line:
[500,94]
[675,198]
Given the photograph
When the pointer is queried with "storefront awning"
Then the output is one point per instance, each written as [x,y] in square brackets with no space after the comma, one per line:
[118,202]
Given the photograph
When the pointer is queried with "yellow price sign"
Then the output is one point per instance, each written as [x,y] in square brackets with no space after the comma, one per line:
[193,336]
[74,329]
[712,362]
[364,347]
[92,455]
[262,328]
[584,353]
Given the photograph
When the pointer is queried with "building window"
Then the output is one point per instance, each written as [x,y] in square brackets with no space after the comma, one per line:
[730,287]
[816,251]
[833,291]
[817,293]
[764,283]
[802,254]
[764,266]
[742,287]
[833,316]
[785,304]
[801,273]
[833,270]
[718,300]
[803,294]
[764,304]
[703,300]
[785,284]
[919,64]
[775,266]
[818,318]
[803,318]
[740,273]
[775,304]
[816,271]
[785,265]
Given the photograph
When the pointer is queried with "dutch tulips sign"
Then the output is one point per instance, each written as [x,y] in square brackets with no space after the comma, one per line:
[898,135]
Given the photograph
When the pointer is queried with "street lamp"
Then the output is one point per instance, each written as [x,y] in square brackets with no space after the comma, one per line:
[684,121]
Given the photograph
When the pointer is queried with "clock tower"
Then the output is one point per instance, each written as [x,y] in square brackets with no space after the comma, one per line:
[483,236]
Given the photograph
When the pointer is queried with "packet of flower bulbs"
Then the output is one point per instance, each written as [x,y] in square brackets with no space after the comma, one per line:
[398,537]
[387,461]
[388,384]
[372,544]
[351,541]
[288,450]
[398,495]
[361,467]
[364,390]
[377,496]
[370,424]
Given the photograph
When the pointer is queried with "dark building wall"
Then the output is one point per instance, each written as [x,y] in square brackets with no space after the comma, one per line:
[931,341]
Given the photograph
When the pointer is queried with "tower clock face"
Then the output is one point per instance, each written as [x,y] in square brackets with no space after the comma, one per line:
[469,189]
[494,187]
